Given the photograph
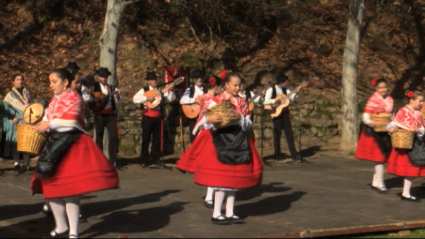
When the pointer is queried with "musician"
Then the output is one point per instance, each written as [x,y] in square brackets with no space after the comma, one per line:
[151,121]
[14,105]
[106,117]
[190,95]
[283,121]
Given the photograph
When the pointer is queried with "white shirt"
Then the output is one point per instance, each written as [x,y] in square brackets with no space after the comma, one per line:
[139,97]
[268,97]
[186,95]
[87,96]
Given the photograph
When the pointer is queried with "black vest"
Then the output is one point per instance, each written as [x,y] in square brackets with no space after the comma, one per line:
[111,95]
[274,94]
[142,106]
[192,91]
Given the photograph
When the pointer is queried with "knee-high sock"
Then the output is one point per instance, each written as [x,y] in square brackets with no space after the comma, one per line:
[210,193]
[73,213]
[58,208]
[407,185]
[218,202]
[230,203]
[378,177]
[15,156]
[26,159]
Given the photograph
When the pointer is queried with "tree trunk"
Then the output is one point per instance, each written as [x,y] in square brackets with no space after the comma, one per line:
[109,38]
[350,123]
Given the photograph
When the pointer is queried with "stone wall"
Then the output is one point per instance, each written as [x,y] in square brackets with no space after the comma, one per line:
[317,118]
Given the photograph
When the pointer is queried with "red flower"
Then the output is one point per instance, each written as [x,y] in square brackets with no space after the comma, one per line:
[212,81]
[223,74]
[373,81]
[410,94]
[129,95]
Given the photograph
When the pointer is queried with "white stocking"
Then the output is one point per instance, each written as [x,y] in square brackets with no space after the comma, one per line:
[210,193]
[26,159]
[230,203]
[219,198]
[73,213]
[378,177]
[407,185]
[58,208]
[16,157]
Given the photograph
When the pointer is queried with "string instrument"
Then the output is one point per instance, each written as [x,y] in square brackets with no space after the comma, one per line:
[251,104]
[191,111]
[100,100]
[275,109]
[157,94]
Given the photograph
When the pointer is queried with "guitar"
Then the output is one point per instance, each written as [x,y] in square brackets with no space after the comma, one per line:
[251,104]
[157,94]
[100,100]
[275,109]
[192,110]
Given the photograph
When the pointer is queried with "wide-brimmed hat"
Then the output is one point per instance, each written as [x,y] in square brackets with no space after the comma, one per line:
[281,77]
[150,75]
[103,72]
[73,67]
[197,74]
[88,81]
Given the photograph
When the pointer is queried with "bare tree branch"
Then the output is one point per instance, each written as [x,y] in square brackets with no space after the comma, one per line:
[209,53]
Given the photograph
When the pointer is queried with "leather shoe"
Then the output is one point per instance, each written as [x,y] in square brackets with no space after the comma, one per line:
[159,163]
[382,190]
[144,164]
[220,220]
[409,199]
[209,204]
[278,157]
[235,219]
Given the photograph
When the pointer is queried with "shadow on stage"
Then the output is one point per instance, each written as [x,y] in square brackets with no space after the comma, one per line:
[149,219]
[269,205]
[308,152]
[274,187]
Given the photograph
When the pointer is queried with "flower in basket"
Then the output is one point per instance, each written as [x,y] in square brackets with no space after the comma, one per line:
[373,81]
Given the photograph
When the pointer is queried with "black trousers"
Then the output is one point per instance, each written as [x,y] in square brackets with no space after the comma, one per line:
[192,123]
[283,122]
[151,127]
[108,121]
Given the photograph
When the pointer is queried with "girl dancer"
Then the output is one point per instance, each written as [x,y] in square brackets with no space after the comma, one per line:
[409,118]
[225,166]
[376,146]
[15,103]
[211,87]
[71,164]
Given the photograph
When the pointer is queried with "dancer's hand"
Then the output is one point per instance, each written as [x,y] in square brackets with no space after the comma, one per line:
[214,119]
[391,129]
[15,120]
[42,127]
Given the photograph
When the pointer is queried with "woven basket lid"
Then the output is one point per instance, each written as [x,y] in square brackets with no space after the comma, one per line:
[33,113]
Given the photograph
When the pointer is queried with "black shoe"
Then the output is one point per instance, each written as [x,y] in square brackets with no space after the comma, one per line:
[381,190]
[159,163]
[409,199]
[59,235]
[278,157]
[17,168]
[220,220]
[207,204]
[235,219]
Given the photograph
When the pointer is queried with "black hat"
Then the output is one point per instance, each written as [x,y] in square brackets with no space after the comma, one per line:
[88,81]
[150,75]
[281,77]
[197,74]
[103,72]
[72,67]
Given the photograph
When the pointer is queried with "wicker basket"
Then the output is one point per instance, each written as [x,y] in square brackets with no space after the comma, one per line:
[28,140]
[224,108]
[384,119]
[402,139]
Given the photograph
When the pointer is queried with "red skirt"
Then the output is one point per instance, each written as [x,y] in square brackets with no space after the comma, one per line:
[201,159]
[368,149]
[399,164]
[83,169]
